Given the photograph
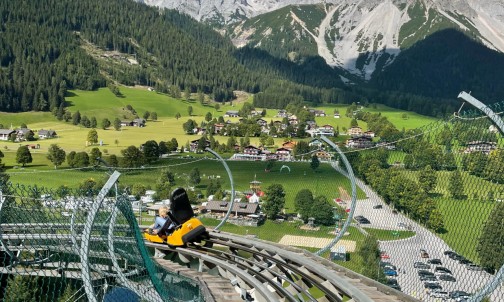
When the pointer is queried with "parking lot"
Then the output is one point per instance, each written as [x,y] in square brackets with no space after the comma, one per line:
[404,253]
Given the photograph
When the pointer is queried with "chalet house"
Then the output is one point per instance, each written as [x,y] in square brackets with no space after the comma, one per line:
[239,208]
[388,146]
[43,134]
[354,131]
[369,133]
[23,133]
[126,123]
[282,113]
[5,134]
[316,143]
[283,154]
[139,122]
[310,125]
[255,113]
[480,146]
[319,112]
[337,115]
[193,145]
[326,130]
[293,121]
[289,145]
[261,122]
[218,128]
[251,150]
[359,142]
[231,113]
[323,155]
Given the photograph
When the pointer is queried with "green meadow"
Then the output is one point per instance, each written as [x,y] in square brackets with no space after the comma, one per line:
[324,181]
[103,104]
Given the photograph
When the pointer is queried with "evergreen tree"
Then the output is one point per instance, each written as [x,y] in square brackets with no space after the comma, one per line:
[369,253]
[93,155]
[76,118]
[456,185]
[20,289]
[93,123]
[315,163]
[427,179]
[154,116]
[194,177]
[68,294]
[113,161]
[490,247]
[190,110]
[117,124]
[151,151]
[105,123]
[187,94]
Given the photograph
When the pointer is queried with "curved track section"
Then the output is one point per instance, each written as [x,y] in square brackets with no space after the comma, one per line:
[263,271]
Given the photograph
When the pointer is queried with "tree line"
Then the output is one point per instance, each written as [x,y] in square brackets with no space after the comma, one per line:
[44,51]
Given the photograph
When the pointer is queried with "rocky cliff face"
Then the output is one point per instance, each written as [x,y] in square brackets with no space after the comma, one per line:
[357,35]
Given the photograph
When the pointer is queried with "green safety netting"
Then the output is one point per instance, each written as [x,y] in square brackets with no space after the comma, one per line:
[427,197]
[53,250]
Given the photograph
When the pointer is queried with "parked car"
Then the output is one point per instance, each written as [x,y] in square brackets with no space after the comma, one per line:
[362,220]
[395,286]
[432,285]
[402,225]
[458,294]
[446,277]
[377,206]
[425,273]
[384,255]
[424,254]
[392,281]
[439,294]
[421,265]
[390,272]
[442,270]
[474,267]
[428,278]
[434,261]
[390,267]
[385,263]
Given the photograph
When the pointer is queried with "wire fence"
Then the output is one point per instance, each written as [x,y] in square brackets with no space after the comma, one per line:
[423,214]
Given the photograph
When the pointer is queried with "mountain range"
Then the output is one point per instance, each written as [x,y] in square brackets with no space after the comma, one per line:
[354,35]
[298,54]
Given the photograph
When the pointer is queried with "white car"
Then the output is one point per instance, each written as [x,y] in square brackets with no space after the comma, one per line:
[439,294]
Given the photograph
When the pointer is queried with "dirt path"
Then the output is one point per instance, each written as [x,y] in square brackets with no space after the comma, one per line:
[315,242]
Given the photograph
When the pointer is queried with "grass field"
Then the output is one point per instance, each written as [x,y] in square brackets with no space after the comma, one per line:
[322,182]
[464,220]
[103,104]
[413,120]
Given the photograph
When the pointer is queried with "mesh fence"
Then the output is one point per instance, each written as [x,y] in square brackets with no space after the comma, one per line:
[79,245]
[421,212]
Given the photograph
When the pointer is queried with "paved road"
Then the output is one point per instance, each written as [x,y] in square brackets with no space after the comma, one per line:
[403,253]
